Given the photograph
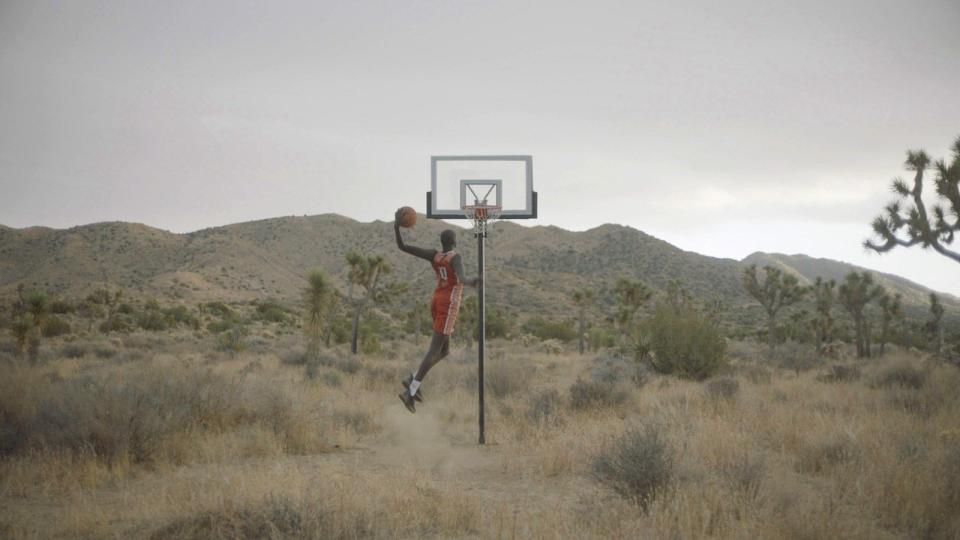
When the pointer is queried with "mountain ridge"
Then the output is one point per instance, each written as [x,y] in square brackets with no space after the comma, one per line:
[533,269]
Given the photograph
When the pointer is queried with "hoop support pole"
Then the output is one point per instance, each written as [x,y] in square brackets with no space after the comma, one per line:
[481,332]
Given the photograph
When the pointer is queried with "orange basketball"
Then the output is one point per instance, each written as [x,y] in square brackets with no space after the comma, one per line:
[407,217]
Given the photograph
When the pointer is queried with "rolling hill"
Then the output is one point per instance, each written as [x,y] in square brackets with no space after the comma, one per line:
[529,269]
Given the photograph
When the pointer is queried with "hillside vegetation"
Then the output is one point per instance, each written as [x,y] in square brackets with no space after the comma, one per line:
[530,269]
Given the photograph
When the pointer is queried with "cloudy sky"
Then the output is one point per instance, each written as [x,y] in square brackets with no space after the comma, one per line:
[722,127]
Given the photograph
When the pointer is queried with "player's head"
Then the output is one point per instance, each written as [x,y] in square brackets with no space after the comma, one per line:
[449,239]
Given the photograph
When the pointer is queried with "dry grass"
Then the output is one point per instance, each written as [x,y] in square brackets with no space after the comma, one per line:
[179,441]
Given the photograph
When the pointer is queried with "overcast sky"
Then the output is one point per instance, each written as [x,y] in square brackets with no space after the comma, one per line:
[722,127]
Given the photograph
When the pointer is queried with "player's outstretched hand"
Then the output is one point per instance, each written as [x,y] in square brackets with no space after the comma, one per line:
[396,219]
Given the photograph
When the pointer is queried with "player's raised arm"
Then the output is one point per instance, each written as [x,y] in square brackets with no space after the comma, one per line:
[457,263]
[420,252]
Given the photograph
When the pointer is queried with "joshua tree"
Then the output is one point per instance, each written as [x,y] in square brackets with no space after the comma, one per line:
[108,301]
[914,224]
[936,323]
[631,295]
[856,291]
[777,291]
[582,299]
[365,272]
[890,310]
[31,311]
[823,298]
[318,297]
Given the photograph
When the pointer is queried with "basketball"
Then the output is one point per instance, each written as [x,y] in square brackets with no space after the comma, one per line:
[407,217]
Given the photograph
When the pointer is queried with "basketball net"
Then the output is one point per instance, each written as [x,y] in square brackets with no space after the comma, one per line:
[482,215]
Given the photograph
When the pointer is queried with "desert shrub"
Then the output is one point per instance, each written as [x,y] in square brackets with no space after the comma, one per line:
[745,474]
[638,465]
[822,456]
[723,388]
[600,337]
[548,329]
[348,366]
[232,340]
[595,394]
[272,518]
[120,418]
[840,373]
[684,342]
[797,357]
[74,350]
[544,407]
[271,311]
[612,369]
[62,307]
[903,376]
[180,315]
[56,326]
[369,339]
[117,323]
[152,320]
[219,309]
[756,374]
[499,324]
[331,379]
[507,376]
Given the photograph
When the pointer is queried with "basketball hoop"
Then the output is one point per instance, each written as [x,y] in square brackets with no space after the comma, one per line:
[482,216]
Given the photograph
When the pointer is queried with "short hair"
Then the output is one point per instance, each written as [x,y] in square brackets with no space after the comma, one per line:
[448,237]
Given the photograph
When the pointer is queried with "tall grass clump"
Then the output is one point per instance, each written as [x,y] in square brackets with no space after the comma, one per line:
[684,341]
[638,465]
[595,394]
[143,417]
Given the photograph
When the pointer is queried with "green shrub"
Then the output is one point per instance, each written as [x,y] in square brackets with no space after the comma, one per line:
[547,329]
[55,326]
[62,307]
[272,311]
[684,342]
[638,465]
[152,320]
[595,394]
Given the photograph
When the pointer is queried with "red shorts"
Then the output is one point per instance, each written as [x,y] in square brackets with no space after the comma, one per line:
[444,308]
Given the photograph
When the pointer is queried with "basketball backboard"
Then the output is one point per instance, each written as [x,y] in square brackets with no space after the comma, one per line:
[459,181]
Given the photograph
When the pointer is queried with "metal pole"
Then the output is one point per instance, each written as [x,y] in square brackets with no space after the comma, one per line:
[481,330]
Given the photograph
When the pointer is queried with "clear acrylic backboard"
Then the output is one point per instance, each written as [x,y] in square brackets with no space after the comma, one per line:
[459,181]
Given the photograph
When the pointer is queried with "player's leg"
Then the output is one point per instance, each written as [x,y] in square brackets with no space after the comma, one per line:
[439,347]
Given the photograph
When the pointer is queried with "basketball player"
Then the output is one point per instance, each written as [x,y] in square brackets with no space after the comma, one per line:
[448,265]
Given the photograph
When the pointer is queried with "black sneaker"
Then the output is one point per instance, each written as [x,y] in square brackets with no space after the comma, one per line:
[406,384]
[407,401]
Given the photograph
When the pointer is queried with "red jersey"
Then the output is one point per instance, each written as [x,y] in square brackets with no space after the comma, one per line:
[447,278]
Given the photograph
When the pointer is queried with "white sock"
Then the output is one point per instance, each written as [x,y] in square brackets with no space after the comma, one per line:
[414,386]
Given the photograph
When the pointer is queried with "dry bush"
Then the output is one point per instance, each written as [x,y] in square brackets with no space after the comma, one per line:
[138,416]
[721,389]
[822,456]
[638,465]
[839,373]
[504,377]
[902,376]
[275,517]
[755,373]
[745,474]
[595,394]
[544,408]
[797,357]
